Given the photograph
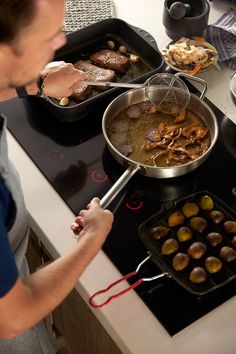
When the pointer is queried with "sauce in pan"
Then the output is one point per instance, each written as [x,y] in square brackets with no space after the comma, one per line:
[153,138]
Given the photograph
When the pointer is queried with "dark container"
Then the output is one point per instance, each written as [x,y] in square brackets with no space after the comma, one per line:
[192,25]
[82,43]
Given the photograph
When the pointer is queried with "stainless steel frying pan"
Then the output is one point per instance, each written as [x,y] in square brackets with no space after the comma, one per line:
[196,104]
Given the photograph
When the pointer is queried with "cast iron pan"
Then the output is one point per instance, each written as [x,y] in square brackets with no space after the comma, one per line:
[213,281]
[164,263]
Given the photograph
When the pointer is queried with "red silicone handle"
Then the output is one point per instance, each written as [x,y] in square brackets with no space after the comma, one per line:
[116,295]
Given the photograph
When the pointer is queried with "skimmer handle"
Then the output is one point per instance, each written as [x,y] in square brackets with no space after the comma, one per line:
[193,78]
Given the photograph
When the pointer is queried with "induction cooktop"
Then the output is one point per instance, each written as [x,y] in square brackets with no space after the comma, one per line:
[75,160]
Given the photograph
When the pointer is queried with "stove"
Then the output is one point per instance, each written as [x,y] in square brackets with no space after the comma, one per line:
[74,159]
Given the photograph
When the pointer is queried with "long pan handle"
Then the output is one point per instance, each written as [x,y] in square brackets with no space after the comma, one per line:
[119,185]
[113,84]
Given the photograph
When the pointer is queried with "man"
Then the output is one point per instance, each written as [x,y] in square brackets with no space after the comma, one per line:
[30,32]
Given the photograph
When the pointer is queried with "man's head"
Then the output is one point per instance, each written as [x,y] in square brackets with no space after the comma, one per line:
[30,33]
[14,15]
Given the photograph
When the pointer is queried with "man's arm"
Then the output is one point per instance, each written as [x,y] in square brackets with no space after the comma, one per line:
[59,81]
[32,298]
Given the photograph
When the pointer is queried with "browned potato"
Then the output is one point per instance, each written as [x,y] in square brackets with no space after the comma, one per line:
[228,254]
[206,202]
[214,238]
[198,275]
[230,227]
[198,223]
[159,232]
[234,241]
[217,216]
[190,209]
[169,246]
[180,261]
[213,264]
[197,250]
[184,234]
[175,219]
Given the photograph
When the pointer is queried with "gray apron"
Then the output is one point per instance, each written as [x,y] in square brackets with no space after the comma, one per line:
[35,340]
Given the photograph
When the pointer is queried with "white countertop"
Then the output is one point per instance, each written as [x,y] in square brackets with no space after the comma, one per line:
[129,322]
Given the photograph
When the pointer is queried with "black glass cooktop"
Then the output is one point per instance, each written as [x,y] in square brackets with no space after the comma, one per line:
[75,160]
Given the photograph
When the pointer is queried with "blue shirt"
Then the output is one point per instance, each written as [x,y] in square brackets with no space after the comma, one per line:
[8,269]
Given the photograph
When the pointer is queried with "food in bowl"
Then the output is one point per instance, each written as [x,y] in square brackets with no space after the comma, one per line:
[190,55]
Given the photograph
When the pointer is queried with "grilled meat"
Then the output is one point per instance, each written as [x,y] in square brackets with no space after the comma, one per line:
[95,73]
[110,59]
[82,92]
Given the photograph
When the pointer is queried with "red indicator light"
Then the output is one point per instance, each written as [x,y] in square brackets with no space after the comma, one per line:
[98,176]
[134,203]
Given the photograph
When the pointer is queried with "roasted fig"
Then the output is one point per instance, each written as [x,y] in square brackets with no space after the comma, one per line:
[198,275]
[234,241]
[214,238]
[206,202]
[169,246]
[213,264]
[198,223]
[175,219]
[159,232]
[184,234]
[230,227]
[217,216]
[180,261]
[197,250]
[228,254]
[190,209]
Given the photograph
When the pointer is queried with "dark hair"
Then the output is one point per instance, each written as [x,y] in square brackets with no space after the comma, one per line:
[15,15]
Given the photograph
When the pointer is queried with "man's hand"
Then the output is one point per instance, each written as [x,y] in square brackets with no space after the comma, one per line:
[61,79]
[94,222]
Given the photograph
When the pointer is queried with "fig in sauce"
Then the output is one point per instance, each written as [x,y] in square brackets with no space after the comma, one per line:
[214,238]
[190,209]
[180,261]
[169,246]
[175,219]
[206,203]
[217,216]
[197,250]
[228,254]
[159,232]
[213,265]
[184,234]
[230,227]
[198,275]
[198,223]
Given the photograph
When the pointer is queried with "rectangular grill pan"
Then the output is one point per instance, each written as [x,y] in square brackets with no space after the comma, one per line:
[80,44]
[214,281]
